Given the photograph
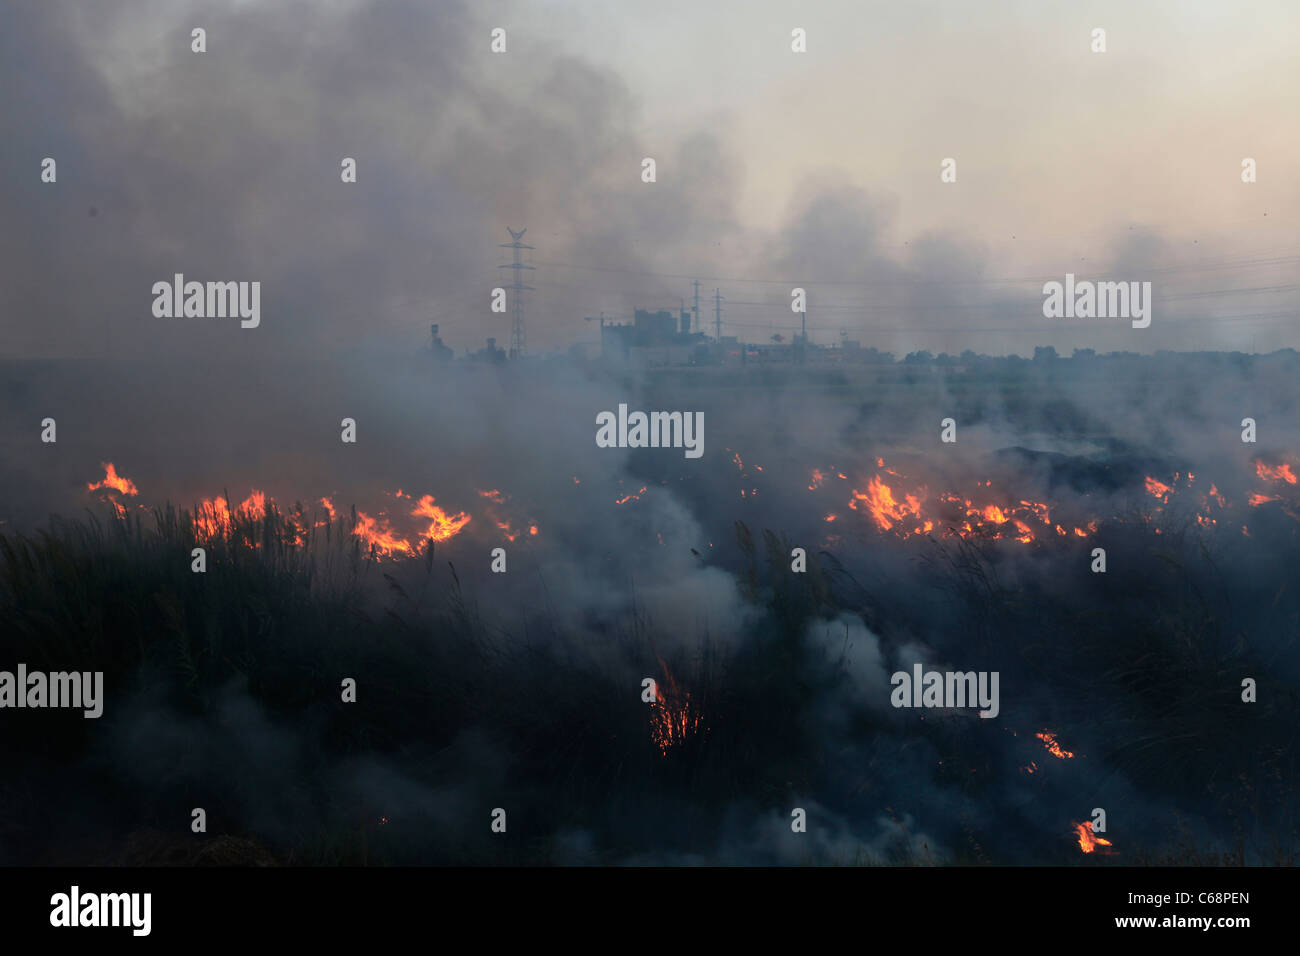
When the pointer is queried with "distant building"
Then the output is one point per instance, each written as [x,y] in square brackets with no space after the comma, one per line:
[440,352]
[490,355]
[653,338]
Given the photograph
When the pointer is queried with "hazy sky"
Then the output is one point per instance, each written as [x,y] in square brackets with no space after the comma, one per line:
[774,168]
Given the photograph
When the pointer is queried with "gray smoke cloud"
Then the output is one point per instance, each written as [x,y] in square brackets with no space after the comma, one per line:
[225,165]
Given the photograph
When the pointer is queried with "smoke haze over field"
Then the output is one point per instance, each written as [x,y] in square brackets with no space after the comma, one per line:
[600,577]
[774,171]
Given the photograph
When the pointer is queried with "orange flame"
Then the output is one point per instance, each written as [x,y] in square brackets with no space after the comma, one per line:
[675,719]
[442,525]
[1089,841]
[113,481]
[905,514]
[214,518]
[1157,489]
[380,537]
[880,503]
[1282,472]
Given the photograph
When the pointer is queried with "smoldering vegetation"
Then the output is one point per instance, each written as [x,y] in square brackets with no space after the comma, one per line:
[523,690]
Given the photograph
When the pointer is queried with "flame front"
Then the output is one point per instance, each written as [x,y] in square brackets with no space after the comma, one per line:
[908,513]
[894,506]
[215,518]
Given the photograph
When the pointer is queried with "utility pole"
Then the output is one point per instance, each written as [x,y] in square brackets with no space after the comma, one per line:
[516,287]
[717,314]
[803,336]
[697,306]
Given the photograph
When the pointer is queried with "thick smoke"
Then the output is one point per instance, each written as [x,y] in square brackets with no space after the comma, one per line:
[226,167]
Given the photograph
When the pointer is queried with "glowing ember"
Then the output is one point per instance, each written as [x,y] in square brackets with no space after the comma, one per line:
[503,523]
[674,719]
[624,499]
[1049,741]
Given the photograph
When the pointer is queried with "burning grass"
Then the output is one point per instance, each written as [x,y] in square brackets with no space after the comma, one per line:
[217,520]
[895,504]
[1137,674]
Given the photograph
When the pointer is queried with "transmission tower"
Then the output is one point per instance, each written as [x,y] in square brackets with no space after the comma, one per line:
[517,287]
[717,314]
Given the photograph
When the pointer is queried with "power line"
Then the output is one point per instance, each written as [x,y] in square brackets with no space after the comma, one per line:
[1206,265]
[517,332]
